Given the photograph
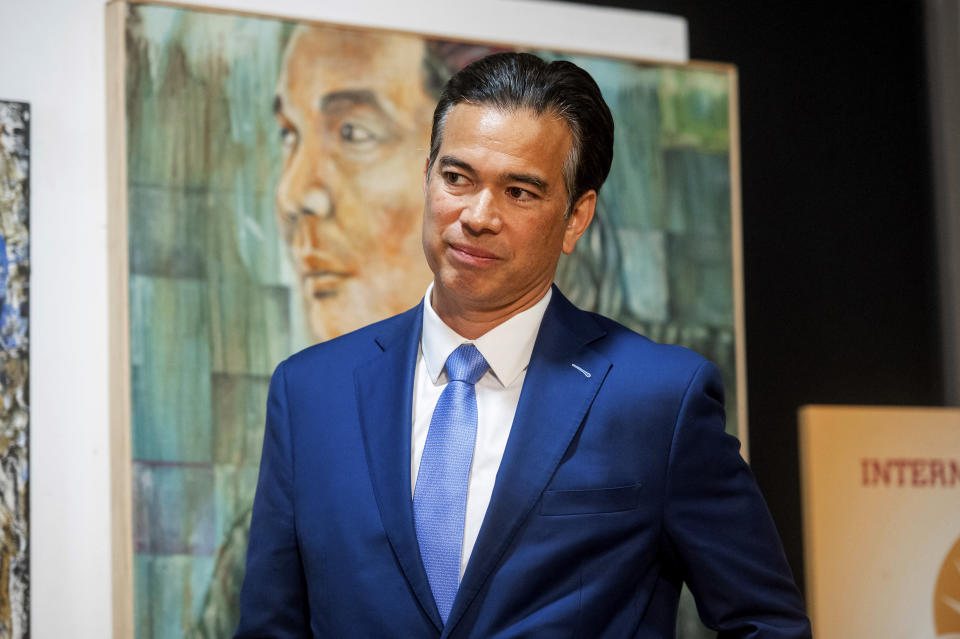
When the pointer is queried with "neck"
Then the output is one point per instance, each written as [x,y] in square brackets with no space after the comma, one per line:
[471,320]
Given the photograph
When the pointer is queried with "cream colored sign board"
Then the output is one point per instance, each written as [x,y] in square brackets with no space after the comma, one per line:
[881,495]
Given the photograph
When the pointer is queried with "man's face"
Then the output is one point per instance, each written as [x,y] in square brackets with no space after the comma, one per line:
[355,123]
[494,214]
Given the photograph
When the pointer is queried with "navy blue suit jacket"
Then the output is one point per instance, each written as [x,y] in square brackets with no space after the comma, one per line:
[616,485]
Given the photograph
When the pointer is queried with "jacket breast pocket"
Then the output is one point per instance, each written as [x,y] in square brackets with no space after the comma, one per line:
[590,501]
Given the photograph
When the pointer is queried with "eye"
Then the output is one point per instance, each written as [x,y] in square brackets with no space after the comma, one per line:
[521,195]
[352,133]
[453,178]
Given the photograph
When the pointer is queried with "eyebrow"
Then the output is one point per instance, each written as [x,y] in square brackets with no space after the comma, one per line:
[341,100]
[524,178]
[450,160]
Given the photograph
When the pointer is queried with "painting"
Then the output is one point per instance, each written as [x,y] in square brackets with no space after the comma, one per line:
[269,197]
[14,368]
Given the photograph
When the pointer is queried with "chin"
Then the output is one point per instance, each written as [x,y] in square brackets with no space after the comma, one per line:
[331,317]
[466,284]
[346,309]
[370,297]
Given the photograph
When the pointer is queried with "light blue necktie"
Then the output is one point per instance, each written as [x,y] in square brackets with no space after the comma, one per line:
[440,498]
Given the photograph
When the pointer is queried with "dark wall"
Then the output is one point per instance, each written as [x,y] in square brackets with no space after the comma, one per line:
[840,268]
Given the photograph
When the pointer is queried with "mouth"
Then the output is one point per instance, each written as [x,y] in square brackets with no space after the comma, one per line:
[472,255]
[323,284]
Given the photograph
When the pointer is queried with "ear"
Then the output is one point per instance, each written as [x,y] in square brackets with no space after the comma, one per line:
[426,174]
[579,219]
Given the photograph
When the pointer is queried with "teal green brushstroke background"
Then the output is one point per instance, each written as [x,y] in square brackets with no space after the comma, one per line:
[213,301]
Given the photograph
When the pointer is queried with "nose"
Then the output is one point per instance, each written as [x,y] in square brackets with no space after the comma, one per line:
[302,192]
[481,214]
[316,201]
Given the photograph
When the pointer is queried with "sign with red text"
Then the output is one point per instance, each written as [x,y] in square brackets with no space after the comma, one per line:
[881,499]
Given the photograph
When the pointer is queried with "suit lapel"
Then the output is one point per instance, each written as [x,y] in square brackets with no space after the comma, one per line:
[555,399]
[384,388]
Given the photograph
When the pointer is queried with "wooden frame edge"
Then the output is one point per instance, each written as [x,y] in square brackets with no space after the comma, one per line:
[736,254]
[118,296]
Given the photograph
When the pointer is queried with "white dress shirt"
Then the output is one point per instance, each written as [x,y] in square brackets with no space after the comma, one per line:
[507,349]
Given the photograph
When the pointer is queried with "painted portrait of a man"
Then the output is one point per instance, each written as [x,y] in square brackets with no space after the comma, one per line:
[354,130]
[348,203]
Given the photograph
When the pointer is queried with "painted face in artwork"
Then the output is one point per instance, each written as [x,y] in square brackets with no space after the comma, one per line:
[355,123]
[495,223]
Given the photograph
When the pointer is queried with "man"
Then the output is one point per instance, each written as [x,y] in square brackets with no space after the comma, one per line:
[495,462]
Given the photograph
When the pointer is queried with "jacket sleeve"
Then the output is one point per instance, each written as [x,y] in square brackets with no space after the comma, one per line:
[273,600]
[718,527]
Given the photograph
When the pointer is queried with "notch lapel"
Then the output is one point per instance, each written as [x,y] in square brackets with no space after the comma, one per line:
[554,401]
[384,388]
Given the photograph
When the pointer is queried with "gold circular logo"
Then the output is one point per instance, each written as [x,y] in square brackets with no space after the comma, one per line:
[946,596]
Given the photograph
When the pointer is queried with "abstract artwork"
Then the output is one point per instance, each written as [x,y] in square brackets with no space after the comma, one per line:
[14,368]
[272,199]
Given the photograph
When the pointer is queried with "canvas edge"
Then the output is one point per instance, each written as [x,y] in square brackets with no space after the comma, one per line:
[118,296]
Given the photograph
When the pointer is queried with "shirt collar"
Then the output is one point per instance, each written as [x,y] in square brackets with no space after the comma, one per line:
[506,347]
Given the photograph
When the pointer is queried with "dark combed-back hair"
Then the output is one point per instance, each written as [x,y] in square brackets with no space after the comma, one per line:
[512,81]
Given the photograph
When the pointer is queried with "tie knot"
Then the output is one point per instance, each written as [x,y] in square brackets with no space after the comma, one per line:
[466,364]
